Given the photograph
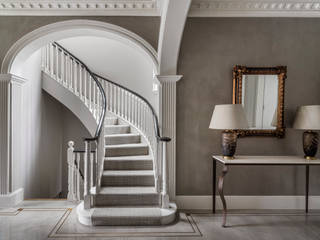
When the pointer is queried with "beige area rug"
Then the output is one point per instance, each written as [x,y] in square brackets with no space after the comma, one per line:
[68,226]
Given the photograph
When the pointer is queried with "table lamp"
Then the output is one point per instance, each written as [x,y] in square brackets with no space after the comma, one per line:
[229,117]
[308,119]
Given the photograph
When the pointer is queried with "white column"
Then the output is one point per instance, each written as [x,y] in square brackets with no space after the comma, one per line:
[168,124]
[10,138]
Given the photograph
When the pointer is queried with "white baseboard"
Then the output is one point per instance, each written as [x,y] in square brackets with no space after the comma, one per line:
[247,202]
[11,199]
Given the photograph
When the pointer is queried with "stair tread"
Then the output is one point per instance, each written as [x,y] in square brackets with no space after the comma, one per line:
[132,158]
[127,190]
[127,173]
[127,145]
[117,126]
[122,135]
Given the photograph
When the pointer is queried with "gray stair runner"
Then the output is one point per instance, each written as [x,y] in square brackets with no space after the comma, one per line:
[127,195]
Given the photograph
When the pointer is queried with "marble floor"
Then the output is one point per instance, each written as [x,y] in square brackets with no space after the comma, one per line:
[37,220]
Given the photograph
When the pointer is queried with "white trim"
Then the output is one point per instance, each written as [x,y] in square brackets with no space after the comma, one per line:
[80,8]
[247,202]
[38,38]
[173,18]
[254,8]
[11,199]
[168,124]
[10,78]
[168,78]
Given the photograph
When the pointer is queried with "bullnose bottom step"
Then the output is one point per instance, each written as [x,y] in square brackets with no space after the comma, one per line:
[127,216]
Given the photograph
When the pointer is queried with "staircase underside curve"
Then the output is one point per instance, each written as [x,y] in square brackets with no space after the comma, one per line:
[71,101]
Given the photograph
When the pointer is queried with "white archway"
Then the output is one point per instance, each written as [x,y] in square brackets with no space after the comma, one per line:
[23,51]
[34,40]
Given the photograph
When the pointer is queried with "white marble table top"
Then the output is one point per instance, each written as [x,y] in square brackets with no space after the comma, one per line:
[267,160]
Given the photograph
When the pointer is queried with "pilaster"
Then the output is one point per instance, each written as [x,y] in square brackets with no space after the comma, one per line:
[10,134]
[168,124]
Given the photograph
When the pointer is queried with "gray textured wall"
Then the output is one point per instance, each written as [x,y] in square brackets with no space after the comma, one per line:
[14,27]
[210,48]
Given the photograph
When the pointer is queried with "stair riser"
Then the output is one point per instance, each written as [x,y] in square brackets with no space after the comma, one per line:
[117,130]
[127,181]
[133,151]
[128,200]
[128,165]
[122,140]
[111,121]
[126,221]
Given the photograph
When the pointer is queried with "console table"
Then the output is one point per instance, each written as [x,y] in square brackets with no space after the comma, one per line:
[256,161]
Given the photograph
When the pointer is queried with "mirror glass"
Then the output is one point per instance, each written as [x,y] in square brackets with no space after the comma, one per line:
[260,100]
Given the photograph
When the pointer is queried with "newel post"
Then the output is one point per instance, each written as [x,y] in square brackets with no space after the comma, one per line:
[168,126]
[164,193]
[86,182]
[71,168]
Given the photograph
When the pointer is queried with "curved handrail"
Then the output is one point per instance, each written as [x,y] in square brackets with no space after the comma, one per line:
[157,128]
[104,98]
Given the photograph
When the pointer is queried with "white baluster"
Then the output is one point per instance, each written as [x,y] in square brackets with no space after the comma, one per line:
[86,191]
[70,73]
[62,66]
[90,93]
[51,61]
[98,103]
[78,176]
[125,105]
[92,160]
[56,55]
[111,98]
[94,99]
[47,58]
[80,76]
[119,102]
[65,60]
[85,87]
[75,77]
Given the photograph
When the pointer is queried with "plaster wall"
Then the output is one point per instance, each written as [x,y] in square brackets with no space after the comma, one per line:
[210,48]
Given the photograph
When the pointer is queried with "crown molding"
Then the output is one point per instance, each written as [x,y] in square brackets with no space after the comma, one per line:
[254,8]
[80,7]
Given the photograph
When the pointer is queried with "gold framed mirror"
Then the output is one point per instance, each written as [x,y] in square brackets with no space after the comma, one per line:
[260,90]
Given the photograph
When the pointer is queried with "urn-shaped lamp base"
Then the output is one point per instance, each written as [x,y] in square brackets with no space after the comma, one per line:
[229,144]
[310,144]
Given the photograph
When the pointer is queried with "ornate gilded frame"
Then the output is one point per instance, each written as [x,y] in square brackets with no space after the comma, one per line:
[281,71]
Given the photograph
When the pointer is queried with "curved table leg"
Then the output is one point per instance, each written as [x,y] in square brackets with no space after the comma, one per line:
[220,189]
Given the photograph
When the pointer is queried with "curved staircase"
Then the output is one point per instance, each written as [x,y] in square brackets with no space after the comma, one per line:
[124,164]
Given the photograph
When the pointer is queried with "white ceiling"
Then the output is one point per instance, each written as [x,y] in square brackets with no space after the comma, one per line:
[199,8]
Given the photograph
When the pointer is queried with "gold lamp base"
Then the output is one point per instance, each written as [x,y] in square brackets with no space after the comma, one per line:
[310,158]
[228,157]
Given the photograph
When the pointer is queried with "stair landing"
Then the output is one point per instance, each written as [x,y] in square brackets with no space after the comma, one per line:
[127,216]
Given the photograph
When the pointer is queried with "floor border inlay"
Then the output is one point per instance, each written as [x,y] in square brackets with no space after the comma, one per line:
[55,231]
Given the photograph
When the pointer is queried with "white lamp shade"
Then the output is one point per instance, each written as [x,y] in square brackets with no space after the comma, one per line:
[307,118]
[229,116]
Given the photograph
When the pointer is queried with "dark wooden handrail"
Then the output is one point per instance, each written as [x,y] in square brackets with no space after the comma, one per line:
[156,120]
[104,99]
[94,76]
